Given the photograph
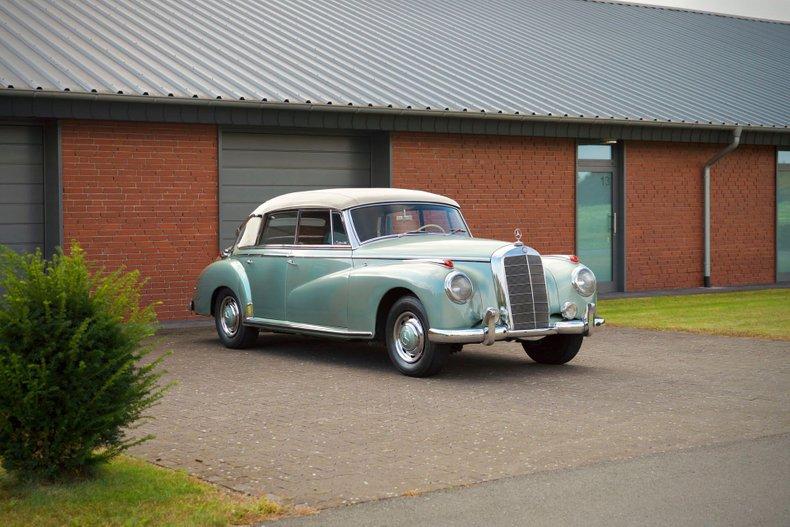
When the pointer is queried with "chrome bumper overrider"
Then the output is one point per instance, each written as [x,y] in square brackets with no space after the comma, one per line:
[492,332]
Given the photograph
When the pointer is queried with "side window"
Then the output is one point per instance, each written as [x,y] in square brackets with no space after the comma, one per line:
[338,229]
[314,228]
[280,228]
[249,232]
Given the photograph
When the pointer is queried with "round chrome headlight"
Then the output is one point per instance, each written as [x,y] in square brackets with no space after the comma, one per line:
[583,280]
[458,287]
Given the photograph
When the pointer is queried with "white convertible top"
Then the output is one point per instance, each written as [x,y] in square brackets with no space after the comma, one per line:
[346,198]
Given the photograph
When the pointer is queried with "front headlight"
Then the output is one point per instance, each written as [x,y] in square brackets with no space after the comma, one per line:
[583,280]
[458,287]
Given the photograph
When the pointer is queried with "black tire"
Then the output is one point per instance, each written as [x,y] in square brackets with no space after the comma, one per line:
[232,335]
[426,358]
[554,349]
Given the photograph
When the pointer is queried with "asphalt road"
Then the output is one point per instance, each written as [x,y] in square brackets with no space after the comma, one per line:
[742,483]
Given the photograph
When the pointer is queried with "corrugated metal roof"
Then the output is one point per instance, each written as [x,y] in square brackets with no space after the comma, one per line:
[529,57]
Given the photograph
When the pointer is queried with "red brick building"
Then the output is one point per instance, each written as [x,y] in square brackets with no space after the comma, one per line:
[151,159]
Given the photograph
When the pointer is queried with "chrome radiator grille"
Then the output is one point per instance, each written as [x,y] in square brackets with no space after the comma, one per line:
[526,285]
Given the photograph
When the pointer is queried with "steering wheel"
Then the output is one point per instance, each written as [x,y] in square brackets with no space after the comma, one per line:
[430,225]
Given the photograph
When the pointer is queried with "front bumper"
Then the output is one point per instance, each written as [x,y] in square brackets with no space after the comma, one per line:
[491,332]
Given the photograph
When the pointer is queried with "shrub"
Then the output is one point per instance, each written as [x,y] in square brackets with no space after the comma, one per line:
[71,376]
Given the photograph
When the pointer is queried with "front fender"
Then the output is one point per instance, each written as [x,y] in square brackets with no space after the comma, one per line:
[370,280]
[228,273]
[558,280]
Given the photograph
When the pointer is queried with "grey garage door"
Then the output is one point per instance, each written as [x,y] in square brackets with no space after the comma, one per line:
[22,187]
[256,167]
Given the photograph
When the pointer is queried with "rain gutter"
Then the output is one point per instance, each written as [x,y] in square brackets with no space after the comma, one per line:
[736,140]
[378,110]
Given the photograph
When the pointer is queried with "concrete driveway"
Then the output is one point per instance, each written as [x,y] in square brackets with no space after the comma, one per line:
[327,423]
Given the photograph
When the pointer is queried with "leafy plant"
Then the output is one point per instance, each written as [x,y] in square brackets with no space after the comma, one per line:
[72,374]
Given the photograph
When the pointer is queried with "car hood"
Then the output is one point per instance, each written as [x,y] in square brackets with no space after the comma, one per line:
[430,246]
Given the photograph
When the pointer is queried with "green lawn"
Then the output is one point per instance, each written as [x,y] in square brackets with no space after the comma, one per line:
[128,492]
[764,313]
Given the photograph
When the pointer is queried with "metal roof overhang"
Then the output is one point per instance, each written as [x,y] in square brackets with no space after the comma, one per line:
[26,104]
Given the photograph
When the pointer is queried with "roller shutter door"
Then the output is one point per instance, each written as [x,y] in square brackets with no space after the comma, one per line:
[255,167]
[21,187]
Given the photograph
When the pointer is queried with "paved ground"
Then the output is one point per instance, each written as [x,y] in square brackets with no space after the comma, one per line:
[742,483]
[328,423]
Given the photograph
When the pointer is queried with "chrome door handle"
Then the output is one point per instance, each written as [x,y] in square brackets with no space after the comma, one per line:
[249,261]
[291,261]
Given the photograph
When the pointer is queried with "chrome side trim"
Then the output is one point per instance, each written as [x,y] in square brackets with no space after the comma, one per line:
[418,258]
[311,252]
[308,329]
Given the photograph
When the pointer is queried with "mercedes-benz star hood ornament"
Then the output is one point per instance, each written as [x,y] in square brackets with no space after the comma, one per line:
[517,234]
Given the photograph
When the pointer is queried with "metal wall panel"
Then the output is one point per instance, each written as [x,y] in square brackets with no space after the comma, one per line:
[21,187]
[564,58]
[255,167]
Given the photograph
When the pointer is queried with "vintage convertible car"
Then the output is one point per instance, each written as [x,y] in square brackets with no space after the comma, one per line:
[398,266]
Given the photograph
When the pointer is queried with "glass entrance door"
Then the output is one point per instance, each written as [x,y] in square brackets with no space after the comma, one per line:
[596,213]
[594,219]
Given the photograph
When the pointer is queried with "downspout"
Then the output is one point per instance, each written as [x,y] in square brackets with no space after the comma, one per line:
[736,139]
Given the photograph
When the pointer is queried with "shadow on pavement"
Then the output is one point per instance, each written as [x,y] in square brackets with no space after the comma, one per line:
[472,363]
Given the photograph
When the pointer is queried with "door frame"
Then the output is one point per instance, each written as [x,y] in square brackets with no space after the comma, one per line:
[616,167]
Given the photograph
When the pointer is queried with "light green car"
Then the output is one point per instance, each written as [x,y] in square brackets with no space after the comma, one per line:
[398,266]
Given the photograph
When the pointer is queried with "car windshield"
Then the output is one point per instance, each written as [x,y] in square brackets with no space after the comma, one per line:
[401,219]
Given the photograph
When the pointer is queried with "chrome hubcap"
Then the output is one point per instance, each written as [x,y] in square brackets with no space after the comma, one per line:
[409,337]
[229,316]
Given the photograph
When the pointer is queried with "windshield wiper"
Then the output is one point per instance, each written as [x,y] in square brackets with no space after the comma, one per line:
[415,231]
[457,230]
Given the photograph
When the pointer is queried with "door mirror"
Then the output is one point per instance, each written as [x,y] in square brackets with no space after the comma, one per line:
[224,253]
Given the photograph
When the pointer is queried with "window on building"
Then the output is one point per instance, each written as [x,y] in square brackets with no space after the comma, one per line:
[595,152]
[783,216]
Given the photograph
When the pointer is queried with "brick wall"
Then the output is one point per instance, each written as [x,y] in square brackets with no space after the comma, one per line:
[507,182]
[743,246]
[500,182]
[664,215]
[144,196]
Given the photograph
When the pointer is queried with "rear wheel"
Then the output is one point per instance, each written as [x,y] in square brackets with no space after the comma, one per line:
[554,349]
[406,334]
[228,321]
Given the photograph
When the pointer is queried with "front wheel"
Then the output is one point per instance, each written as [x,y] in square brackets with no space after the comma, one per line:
[554,349]
[407,340]
[228,320]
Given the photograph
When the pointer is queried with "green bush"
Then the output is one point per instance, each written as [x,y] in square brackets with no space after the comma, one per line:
[71,377]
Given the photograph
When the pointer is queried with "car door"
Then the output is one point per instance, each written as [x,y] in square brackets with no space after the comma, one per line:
[317,271]
[265,264]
